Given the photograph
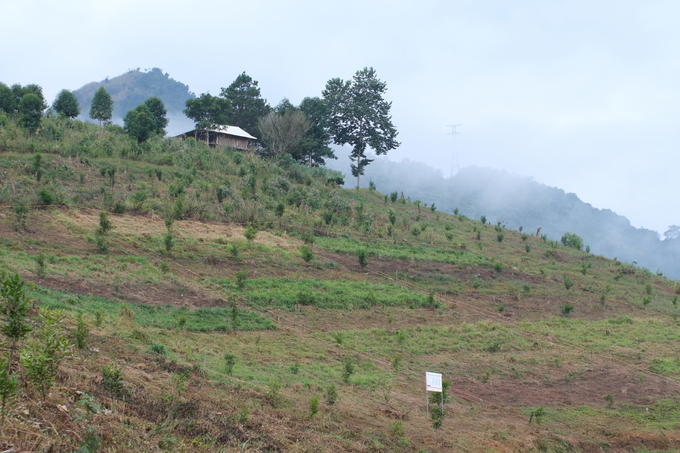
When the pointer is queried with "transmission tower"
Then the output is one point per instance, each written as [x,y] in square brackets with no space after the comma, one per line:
[454,157]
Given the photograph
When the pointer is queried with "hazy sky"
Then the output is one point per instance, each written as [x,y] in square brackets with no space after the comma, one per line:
[582,95]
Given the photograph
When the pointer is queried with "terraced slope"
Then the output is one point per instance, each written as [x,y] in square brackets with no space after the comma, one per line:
[224,343]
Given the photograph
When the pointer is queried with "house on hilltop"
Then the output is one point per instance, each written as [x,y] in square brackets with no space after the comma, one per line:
[229,136]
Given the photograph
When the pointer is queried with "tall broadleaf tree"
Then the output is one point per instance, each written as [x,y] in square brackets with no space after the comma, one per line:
[360,117]
[247,105]
[8,103]
[314,149]
[159,113]
[207,112]
[66,104]
[102,106]
[30,112]
[140,123]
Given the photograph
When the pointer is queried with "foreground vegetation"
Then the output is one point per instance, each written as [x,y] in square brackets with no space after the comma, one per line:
[208,300]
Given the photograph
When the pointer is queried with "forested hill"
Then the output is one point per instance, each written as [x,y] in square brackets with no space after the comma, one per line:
[133,88]
[518,201]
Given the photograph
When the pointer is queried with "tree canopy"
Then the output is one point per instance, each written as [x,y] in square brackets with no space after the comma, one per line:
[8,103]
[282,133]
[360,117]
[247,105]
[30,111]
[140,123]
[11,97]
[159,113]
[102,106]
[314,149]
[208,112]
[66,104]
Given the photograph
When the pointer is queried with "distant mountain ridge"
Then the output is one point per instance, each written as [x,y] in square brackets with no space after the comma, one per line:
[133,88]
[520,201]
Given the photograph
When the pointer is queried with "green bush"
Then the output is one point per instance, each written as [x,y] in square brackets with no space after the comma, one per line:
[361,256]
[250,232]
[112,379]
[568,283]
[45,196]
[81,332]
[572,240]
[229,362]
[566,309]
[306,253]
[240,278]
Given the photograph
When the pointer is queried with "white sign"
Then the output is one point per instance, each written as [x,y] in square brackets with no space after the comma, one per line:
[433,382]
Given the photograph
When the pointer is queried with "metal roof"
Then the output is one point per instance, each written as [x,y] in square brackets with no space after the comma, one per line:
[230,130]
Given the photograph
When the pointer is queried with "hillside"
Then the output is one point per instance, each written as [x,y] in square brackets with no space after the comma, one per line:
[206,333]
[523,202]
[133,88]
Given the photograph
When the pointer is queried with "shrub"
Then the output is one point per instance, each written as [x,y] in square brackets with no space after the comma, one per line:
[41,358]
[482,219]
[306,253]
[527,247]
[40,265]
[168,242]
[566,309]
[250,232]
[138,199]
[45,196]
[568,283]
[371,185]
[437,416]
[112,379]
[646,300]
[81,332]
[610,400]
[238,158]
[229,362]
[397,430]
[361,256]
[280,209]
[157,349]
[331,395]
[234,251]
[9,386]
[347,369]
[313,406]
[394,196]
[585,267]
[98,318]
[498,266]
[525,237]
[118,207]
[105,224]
[648,288]
[21,211]
[240,278]
[572,240]
[305,298]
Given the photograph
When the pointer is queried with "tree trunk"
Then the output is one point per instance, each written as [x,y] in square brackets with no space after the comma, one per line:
[358,170]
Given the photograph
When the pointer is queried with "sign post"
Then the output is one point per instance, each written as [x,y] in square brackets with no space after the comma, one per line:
[433,383]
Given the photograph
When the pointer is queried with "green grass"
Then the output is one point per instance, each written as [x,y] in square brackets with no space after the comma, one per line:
[335,294]
[404,252]
[164,317]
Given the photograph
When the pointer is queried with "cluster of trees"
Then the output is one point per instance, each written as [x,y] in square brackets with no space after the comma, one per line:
[28,105]
[351,112]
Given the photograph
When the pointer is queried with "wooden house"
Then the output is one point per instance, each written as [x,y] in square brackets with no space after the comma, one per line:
[229,136]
